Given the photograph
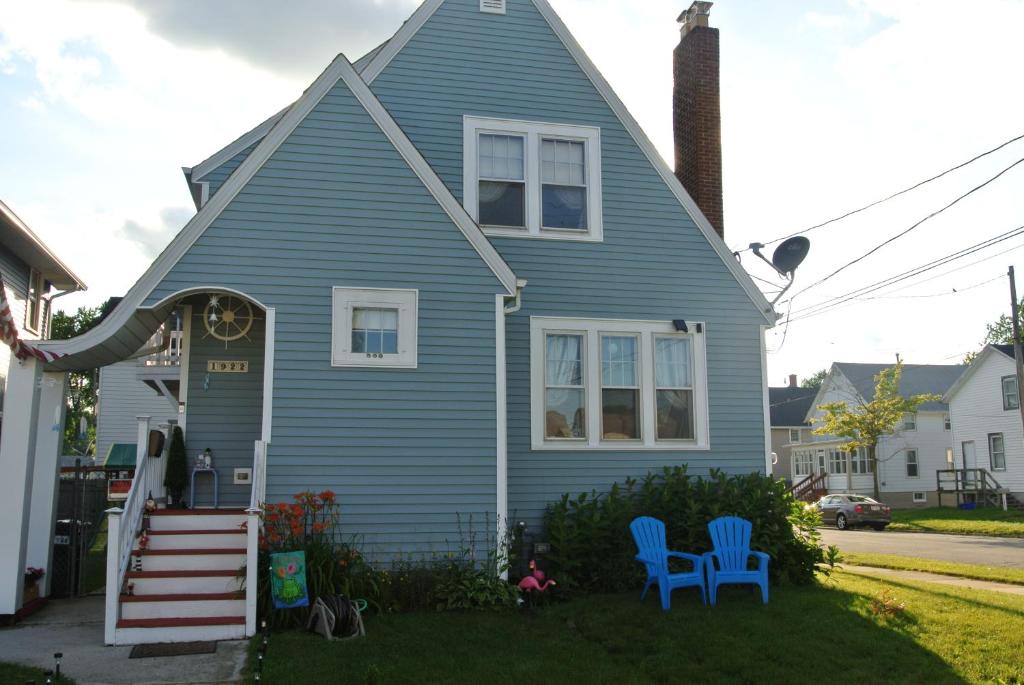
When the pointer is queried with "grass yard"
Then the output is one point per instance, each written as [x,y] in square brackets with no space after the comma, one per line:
[13,674]
[944,635]
[997,574]
[994,522]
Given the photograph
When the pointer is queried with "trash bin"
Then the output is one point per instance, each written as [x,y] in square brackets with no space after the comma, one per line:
[968,506]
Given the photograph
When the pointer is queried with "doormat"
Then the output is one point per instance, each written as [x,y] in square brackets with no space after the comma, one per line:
[172,649]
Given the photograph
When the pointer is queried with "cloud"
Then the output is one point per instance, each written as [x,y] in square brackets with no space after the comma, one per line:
[296,38]
[152,240]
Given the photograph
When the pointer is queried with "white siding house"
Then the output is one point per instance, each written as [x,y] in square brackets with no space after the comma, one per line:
[984,405]
[907,459]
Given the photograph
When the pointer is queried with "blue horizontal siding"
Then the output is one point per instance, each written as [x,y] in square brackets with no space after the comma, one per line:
[217,176]
[406,450]
[654,262]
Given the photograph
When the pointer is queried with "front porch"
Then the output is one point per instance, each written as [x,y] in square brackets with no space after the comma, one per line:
[210,351]
[823,468]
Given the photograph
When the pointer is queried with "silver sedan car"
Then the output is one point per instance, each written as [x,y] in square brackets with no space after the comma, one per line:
[849,510]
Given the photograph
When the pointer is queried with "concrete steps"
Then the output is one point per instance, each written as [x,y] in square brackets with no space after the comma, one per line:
[186,584]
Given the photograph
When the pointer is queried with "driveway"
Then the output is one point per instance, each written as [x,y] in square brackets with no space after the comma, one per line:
[964,549]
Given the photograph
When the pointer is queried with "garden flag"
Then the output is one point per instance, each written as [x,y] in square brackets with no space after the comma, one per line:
[288,580]
[9,333]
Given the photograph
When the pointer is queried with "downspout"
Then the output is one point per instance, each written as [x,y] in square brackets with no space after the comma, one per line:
[503,307]
[517,301]
[49,306]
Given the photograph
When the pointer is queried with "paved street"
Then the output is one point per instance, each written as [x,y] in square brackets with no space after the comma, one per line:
[965,549]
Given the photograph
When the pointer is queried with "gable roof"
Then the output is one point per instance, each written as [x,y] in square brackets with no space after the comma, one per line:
[789,406]
[339,70]
[17,237]
[917,379]
[429,7]
[988,351]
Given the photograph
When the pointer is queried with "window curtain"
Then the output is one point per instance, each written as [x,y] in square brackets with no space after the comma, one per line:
[673,363]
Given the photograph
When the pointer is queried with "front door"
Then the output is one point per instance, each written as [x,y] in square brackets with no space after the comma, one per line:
[970,455]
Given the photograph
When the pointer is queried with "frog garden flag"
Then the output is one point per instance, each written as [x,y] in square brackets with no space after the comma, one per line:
[288,580]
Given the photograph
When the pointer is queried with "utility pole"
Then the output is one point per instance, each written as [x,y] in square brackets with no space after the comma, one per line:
[1017,352]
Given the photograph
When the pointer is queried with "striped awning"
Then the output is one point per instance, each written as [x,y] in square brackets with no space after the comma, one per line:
[9,333]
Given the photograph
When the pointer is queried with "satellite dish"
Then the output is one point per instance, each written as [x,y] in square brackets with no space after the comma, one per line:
[791,254]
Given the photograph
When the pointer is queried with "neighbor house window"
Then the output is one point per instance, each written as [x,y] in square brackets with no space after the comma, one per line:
[374,327]
[533,179]
[920,497]
[913,468]
[997,451]
[1011,398]
[947,423]
[803,463]
[610,384]
[910,422]
[837,463]
[794,436]
[34,303]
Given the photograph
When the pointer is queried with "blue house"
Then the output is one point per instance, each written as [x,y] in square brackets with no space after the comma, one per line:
[452,279]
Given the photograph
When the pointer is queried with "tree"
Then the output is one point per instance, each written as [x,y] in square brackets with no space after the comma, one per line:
[82,385]
[176,475]
[999,332]
[814,381]
[863,425]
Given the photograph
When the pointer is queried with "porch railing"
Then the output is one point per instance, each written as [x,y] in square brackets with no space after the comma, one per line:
[256,499]
[123,525]
[978,483]
[170,344]
[811,487]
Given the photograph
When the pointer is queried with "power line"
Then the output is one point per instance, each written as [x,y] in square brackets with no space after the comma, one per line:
[893,196]
[954,291]
[908,230]
[822,307]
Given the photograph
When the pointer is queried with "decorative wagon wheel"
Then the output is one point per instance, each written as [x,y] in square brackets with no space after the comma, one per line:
[227,317]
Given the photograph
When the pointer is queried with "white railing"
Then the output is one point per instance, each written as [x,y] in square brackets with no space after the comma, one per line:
[256,499]
[170,352]
[123,526]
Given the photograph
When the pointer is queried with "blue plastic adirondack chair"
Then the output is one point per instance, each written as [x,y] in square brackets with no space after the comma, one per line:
[727,564]
[649,534]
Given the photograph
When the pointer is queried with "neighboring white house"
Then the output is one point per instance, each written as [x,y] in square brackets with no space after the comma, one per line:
[908,459]
[985,406]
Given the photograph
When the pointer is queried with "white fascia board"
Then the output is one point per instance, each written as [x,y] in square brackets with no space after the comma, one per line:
[339,69]
[969,372]
[409,29]
[641,139]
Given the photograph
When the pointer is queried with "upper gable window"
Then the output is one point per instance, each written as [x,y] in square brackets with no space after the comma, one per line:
[530,179]
[374,328]
[34,303]
[492,6]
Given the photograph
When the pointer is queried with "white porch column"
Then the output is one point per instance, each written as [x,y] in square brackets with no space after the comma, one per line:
[17,454]
[46,474]
[142,453]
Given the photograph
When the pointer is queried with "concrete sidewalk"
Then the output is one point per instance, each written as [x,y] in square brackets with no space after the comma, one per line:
[937,578]
[75,627]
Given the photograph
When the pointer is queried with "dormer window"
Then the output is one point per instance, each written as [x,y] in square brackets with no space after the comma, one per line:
[533,180]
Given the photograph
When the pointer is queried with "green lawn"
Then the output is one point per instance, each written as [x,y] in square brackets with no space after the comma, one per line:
[945,635]
[995,522]
[13,674]
[998,574]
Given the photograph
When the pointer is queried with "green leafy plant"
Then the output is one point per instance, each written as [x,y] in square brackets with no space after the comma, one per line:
[592,549]
[466,583]
[176,476]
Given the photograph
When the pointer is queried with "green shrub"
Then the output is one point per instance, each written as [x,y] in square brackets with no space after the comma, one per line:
[592,549]
[176,475]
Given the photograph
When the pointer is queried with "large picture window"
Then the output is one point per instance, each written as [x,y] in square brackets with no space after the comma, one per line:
[613,384]
[374,327]
[533,179]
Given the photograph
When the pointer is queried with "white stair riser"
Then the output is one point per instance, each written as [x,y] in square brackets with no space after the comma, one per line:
[177,586]
[197,522]
[189,609]
[232,541]
[192,562]
[144,636]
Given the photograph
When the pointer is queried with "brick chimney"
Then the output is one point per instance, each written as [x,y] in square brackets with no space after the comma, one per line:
[792,380]
[697,117]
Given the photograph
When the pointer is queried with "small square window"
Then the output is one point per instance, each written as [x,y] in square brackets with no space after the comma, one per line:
[794,436]
[374,328]
[910,422]
[920,497]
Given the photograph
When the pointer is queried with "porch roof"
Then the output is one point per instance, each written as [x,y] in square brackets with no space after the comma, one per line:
[117,339]
[121,455]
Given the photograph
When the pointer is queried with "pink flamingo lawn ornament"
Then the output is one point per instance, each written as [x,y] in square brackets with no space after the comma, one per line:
[535,581]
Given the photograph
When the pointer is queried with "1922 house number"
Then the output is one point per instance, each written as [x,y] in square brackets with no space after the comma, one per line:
[227,366]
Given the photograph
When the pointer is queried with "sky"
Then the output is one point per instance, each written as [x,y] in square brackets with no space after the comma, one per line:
[827,105]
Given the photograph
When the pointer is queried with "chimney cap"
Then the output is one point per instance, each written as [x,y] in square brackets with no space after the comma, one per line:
[697,15]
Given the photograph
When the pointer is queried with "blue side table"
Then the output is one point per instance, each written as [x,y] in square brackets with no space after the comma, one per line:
[216,487]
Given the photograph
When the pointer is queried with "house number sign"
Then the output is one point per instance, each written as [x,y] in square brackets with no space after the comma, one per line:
[217,366]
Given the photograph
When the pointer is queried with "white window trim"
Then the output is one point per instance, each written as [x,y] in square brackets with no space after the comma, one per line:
[791,440]
[533,132]
[923,497]
[991,453]
[1007,406]
[910,418]
[36,283]
[345,300]
[492,6]
[592,329]
[907,462]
